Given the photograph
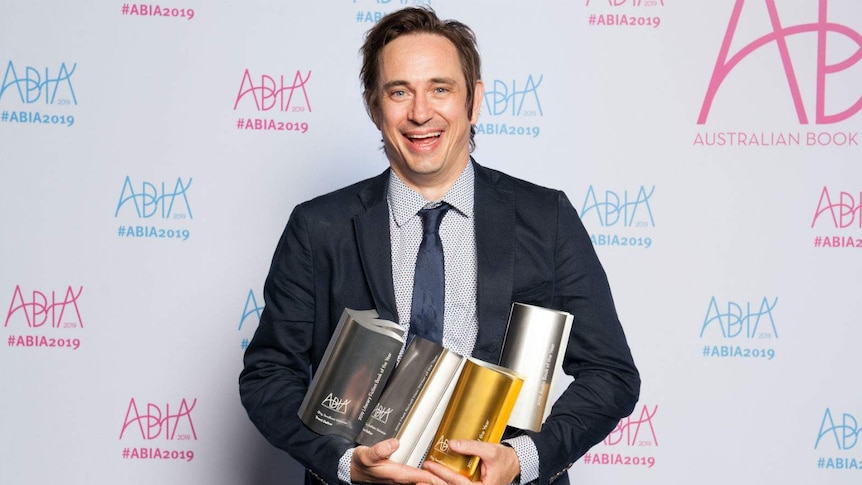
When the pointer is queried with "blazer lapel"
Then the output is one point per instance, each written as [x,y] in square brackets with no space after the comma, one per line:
[495,253]
[372,238]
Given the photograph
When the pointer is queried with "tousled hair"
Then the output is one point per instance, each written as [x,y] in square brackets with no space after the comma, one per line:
[414,20]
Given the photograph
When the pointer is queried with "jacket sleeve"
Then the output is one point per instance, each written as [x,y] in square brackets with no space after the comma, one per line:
[278,360]
[606,382]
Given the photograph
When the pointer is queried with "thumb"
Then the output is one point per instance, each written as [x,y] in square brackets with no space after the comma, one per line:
[384,449]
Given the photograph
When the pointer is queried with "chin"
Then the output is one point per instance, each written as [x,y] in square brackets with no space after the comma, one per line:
[425,167]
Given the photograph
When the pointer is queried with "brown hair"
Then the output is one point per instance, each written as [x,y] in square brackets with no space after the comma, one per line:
[418,20]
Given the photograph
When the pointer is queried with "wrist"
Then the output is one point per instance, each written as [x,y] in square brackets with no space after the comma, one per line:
[515,464]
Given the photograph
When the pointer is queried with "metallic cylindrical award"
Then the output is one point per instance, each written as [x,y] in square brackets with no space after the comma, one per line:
[479,410]
[535,345]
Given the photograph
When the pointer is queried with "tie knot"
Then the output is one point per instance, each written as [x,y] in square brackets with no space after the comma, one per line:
[432,217]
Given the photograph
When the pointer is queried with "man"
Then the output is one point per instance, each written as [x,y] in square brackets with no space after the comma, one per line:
[503,240]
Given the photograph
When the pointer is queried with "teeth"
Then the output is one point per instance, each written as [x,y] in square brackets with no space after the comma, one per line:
[427,135]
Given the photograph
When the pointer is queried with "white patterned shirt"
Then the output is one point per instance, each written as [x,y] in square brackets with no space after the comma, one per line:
[460,323]
[460,319]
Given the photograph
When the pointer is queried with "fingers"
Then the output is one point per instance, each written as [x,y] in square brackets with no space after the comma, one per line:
[475,448]
[372,465]
[417,476]
[384,449]
[499,464]
[445,474]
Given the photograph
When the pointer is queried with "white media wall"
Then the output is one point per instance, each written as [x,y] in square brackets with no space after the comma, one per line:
[150,155]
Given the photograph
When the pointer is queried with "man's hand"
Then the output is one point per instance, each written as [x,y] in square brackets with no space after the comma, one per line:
[372,465]
[498,464]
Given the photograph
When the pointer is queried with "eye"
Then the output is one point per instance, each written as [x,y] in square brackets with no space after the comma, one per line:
[398,93]
[441,90]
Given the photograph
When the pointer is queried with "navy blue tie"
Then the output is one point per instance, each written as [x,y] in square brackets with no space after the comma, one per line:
[429,283]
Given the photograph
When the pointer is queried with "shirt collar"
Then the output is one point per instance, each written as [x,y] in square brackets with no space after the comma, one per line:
[405,202]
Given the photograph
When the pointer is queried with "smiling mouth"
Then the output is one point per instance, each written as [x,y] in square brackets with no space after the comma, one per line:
[425,138]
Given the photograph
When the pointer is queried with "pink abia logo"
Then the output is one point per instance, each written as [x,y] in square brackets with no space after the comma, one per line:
[826,32]
[841,209]
[46,309]
[267,92]
[154,420]
[636,430]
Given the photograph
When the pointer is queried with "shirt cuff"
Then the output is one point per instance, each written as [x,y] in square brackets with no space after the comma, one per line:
[344,466]
[528,458]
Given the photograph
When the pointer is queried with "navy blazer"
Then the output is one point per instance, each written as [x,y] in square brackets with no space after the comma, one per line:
[531,248]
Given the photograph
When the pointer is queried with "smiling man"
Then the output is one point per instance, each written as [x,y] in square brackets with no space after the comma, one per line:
[498,240]
[423,113]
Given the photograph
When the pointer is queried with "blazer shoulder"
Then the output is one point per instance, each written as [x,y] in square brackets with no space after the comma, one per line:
[522,191]
[348,200]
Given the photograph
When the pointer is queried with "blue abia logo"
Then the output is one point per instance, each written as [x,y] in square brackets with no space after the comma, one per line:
[373,16]
[251,308]
[745,320]
[160,199]
[46,85]
[515,97]
[615,208]
[515,101]
[841,431]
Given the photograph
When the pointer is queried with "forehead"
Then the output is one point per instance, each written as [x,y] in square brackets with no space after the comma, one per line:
[420,56]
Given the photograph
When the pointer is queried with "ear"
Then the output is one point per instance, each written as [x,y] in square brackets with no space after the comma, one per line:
[478,96]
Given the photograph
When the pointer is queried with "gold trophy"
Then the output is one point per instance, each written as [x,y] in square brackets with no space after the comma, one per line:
[479,410]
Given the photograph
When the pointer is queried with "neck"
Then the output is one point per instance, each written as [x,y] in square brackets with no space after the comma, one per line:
[433,186]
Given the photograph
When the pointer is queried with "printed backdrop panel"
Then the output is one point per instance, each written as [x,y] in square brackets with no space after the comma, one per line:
[152,153]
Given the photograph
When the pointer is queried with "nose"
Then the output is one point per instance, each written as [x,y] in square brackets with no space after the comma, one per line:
[421,110]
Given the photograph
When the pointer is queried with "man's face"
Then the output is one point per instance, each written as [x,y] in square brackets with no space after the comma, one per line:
[423,111]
